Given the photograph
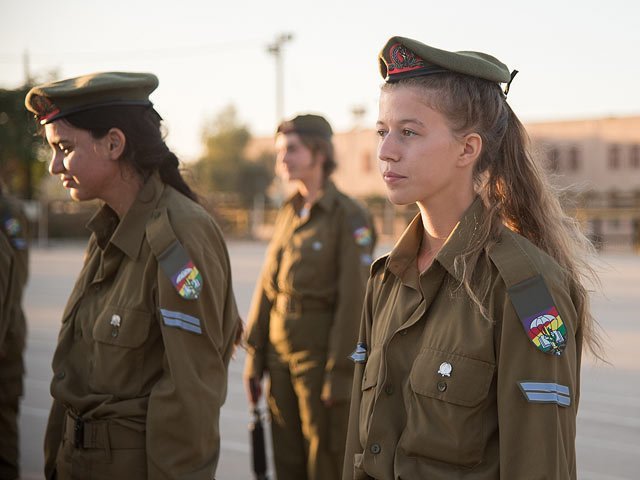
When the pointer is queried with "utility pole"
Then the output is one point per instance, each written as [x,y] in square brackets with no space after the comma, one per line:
[27,69]
[275,49]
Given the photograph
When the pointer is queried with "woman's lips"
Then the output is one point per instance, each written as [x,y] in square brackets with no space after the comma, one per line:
[392,177]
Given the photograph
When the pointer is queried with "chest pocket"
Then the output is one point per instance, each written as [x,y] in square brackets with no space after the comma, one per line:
[119,351]
[448,415]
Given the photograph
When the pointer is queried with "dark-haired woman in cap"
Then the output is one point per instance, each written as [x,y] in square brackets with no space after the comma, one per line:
[140,370]
[474,324]
[306,307]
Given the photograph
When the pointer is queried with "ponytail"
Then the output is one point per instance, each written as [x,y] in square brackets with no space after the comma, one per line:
[145,148]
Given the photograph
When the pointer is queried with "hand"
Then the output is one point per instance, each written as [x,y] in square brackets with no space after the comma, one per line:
[327,401]
[253,387]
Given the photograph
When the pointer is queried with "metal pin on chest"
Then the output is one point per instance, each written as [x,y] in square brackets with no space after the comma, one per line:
[445,369]
[115,324]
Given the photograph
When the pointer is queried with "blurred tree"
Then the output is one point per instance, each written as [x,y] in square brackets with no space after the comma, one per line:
[224,167]
[20,147]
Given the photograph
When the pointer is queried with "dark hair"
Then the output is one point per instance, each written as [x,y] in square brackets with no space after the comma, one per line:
[145,149]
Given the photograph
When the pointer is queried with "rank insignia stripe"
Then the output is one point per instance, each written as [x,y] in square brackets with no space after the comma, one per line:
[181,320]
[359,355]
[545,392]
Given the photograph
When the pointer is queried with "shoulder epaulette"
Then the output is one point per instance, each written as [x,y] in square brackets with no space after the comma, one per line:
[529,295]
[172,256]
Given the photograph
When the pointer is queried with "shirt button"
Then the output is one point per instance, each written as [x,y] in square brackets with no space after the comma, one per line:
[388,389]
[375,449]
[442,386]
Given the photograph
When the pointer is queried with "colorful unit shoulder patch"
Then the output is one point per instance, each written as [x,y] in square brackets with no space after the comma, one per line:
[362,236]
[183,274]
[542,392]
[188,281]
[13,229]
[359,355]
[546,331]
[539,316]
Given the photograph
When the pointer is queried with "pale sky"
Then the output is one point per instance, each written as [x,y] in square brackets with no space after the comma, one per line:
[577,59]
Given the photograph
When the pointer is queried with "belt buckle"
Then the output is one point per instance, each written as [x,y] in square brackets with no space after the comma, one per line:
[78,433]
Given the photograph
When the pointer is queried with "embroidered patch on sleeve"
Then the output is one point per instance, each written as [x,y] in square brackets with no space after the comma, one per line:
[546,331]
[14,232]
[363,236]
[359,355]
[539,316]
[183,274]
[181,320]
[542,392]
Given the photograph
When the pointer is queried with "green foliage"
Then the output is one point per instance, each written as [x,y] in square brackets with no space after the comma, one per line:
[20,147]
[224,167]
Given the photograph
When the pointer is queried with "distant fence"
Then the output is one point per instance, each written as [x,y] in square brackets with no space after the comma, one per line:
[62,219]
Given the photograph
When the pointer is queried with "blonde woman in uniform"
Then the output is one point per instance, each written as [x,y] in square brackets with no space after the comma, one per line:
[140,370]
[468,360]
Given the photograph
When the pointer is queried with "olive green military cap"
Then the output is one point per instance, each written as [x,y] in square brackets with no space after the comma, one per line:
[404,58]
[307,124]
[55,100]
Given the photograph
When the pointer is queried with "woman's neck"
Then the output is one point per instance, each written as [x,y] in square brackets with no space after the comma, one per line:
[123,192]
[439,218]
[310,190]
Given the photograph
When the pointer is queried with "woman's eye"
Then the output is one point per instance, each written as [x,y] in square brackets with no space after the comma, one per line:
[65,149]
[408,133]
[381,133]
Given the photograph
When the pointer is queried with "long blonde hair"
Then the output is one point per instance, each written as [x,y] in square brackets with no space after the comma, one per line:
[514,188]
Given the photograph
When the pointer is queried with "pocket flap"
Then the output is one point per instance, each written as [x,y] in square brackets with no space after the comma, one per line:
[121,326]
[371,370]
[467,384]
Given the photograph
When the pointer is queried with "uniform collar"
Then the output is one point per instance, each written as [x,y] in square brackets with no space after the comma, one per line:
[128,234]
[402,260]
[462,237]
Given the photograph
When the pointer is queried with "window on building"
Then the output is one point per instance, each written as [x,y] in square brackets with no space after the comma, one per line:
[614,157]
[634,159]
[553,159]
[574,159]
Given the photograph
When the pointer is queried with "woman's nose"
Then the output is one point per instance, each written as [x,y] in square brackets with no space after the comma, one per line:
[56,165]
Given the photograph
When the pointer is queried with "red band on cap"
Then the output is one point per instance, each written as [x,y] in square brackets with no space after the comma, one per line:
[402,60]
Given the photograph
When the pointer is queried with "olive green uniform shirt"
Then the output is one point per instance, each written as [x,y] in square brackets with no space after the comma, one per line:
[135,352]
[13,330]
[445,393]
[315,264]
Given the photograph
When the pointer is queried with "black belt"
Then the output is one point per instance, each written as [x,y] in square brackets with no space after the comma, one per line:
[101,434]
[296,305]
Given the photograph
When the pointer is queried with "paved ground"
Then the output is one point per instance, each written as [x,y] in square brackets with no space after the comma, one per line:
[608,439]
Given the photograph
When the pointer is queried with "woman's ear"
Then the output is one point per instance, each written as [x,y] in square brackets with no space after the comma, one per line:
[116,142]
[471,149]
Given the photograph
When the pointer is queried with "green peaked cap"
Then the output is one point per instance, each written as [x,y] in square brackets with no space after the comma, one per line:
[404,58]
[309,124]
[55,100]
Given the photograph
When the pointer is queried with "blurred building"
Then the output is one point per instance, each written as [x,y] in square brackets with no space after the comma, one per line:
[596,163]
